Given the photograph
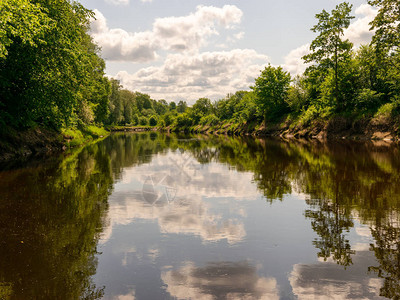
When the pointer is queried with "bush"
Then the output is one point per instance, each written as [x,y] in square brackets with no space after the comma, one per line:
[367,99]
[183,120]
[153,121]
[161,123]
[389,109]
[211,120]
[143,121]
[135,119]
[310,114]
[296,98]
[168,119]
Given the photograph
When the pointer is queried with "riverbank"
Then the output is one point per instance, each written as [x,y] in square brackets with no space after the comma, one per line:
[16,144]
[113,128]
[40,141]
[379,127]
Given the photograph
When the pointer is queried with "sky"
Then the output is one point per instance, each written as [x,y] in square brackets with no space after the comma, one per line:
[188,49]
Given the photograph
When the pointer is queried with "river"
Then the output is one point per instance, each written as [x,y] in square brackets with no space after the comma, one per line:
[158,216]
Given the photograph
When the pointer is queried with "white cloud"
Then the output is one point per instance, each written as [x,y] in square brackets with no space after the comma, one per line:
[239,35]
[178,34]
[358,32]
[118,44]
[208,74]
[294,62]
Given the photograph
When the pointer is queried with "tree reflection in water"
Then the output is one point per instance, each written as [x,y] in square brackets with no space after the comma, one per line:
[51,214]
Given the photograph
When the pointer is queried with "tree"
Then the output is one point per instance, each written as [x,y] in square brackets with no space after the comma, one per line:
[386,24]
[153,121]
[182,106]
[328,49]
[172,105]
[50,68]
[387,39]
[115,105]
[271,89]
[22,20]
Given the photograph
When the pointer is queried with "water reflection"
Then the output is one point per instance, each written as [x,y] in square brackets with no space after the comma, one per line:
[219,280]
[50,219]
[327,280]
[155,216]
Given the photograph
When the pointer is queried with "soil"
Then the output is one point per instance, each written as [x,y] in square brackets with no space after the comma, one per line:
[31,142]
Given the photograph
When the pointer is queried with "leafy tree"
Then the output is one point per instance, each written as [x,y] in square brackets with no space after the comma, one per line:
[328,50]
[386,24]
[47,76]
[143,121]
[22,21]
[182,106]
[115,104]
[172,105]
[298,96]
[153,121]
[271,89]
[160,106]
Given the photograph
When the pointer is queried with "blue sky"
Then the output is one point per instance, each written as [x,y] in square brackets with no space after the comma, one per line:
[187,49]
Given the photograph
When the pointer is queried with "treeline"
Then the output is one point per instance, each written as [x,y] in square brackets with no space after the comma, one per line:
[51,74]
[340,80]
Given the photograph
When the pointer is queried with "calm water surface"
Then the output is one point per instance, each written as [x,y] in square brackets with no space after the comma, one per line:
[154,216]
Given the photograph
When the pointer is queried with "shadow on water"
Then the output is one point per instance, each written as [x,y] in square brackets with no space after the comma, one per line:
[52,213]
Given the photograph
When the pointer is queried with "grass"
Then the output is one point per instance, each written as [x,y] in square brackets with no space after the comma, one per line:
[127,127]
[75,137]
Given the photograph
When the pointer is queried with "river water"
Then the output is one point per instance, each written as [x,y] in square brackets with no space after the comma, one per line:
[156,216]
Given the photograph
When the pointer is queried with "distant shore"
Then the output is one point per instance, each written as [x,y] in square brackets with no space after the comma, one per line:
[335,128]
[40,142]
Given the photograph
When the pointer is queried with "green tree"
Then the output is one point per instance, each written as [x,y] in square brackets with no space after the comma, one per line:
[172,105]
[115,105]
[153,121]
[24,21]
[181,107]
[386,24]
[328,49]
[271,89]
[47,76]
[387,41]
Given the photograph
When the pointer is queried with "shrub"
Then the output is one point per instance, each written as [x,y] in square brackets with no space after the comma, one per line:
[135,119]
[183,120]
[367,99]
[211,120]
[153,121]
[168,119]
[143,121]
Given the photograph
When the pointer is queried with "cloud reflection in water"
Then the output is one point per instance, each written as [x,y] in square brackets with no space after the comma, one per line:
[219,280]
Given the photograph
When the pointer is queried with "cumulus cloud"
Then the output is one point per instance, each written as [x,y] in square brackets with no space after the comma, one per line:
[219,280]
[294,62]
[178,34]
[358,32]
[208,74]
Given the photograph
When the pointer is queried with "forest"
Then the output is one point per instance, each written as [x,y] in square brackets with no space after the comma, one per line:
[52,75]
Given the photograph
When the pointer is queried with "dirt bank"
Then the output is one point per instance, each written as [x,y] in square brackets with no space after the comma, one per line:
[31,142]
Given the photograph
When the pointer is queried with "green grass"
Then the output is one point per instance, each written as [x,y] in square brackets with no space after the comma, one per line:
[123,127]
[75,137]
